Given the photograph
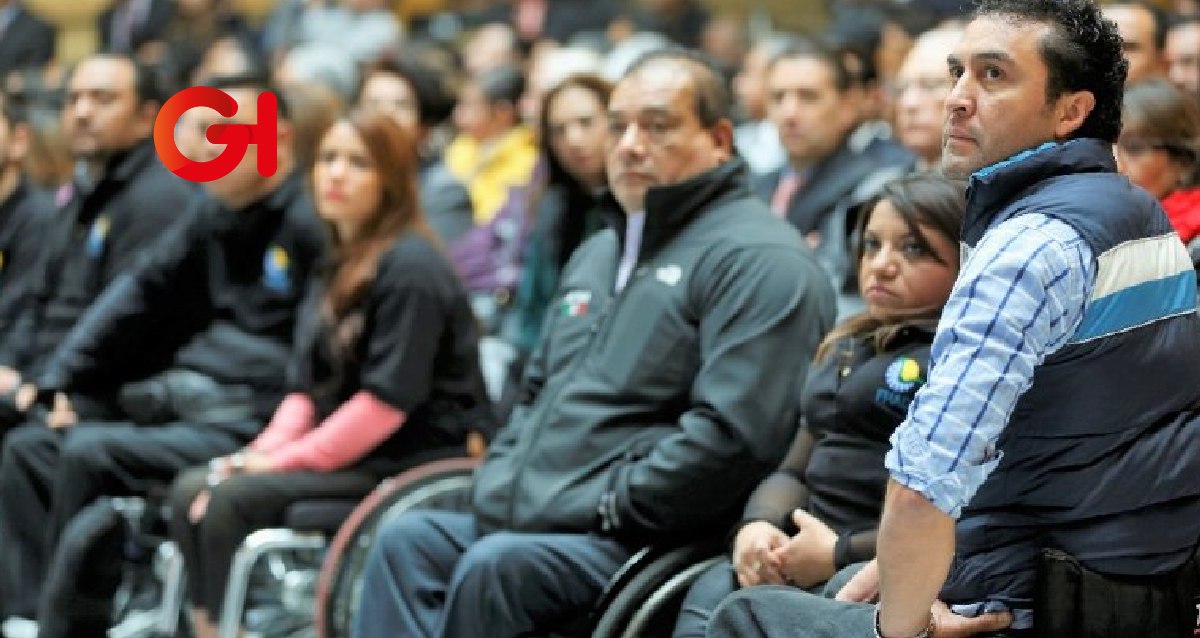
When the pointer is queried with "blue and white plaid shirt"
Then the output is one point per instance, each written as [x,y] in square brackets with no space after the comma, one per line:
[1019,297]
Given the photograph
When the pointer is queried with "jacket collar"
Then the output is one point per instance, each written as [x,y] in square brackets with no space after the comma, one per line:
[123,166]
[993,187]
[265,211]
[119,169]
[671,207]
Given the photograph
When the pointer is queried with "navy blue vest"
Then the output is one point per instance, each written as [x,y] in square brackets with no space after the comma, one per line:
[1101,457]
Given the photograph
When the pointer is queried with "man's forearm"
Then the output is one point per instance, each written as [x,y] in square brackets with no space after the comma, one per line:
[916,545]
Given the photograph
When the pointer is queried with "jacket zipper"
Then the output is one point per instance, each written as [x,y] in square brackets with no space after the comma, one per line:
[594,330]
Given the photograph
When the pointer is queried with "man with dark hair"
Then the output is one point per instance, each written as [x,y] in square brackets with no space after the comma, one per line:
[122,198]
[756,139]
[1060,411]
[220,294]
[814,101]
[1143,29]
[655,401]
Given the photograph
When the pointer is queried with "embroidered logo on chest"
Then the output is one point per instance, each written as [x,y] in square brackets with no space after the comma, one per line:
[277,270]
[669,275]
[575,303]
[900,378]
[903,374]
[98,236]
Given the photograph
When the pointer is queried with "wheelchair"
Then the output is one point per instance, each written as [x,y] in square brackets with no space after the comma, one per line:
[273,580]
[444,484]
[318,583]
[294,552]
[641,600]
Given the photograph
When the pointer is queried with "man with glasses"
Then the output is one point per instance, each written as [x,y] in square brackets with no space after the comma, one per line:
[922,86]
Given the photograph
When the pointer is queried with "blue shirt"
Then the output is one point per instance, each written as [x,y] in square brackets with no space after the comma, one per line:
[1019,297]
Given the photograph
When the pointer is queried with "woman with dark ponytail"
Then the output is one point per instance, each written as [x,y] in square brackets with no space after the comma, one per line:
[385,369]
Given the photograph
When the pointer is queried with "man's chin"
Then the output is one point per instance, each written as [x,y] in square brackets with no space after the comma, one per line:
[630,202]
[957,167]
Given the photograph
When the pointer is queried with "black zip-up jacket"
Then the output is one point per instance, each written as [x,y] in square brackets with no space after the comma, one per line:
[99,234]
[652,414]
[853,401]
[23,218]
[221,294]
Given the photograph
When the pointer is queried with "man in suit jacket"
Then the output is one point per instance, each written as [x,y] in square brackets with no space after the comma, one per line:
[25,39]
[815,104]
[129,24]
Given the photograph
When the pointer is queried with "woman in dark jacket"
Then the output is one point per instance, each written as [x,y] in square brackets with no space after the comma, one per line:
[819,511]
[566,205]
[385,370]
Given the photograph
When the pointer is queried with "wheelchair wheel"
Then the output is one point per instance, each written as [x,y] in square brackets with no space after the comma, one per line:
[647,605]
[444,484]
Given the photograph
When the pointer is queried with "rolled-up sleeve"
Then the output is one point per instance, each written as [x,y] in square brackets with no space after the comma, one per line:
[1020,296]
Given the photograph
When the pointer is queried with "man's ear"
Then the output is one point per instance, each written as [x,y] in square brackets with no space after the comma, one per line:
[852,100]
[285,136]
[147,113]
[1072,110]
[722,134]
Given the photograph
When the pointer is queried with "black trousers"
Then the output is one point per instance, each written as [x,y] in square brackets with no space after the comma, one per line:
[47,476]
[87,408]
[238,506]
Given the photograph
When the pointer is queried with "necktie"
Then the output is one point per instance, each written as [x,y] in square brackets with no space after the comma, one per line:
[789,184]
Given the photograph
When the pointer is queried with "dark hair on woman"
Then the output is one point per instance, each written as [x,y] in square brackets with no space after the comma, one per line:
[1083,53]
[1168,119]
[354,261]
[435,98]
[569,230]
[921,200]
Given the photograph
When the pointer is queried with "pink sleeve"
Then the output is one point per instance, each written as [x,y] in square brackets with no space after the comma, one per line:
[349,434]
[295,417]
